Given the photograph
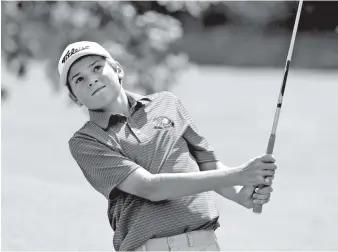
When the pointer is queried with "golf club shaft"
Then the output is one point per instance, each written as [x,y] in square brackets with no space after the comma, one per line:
[258,208]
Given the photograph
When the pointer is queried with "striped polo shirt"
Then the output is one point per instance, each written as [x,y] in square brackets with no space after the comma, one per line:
[158,136]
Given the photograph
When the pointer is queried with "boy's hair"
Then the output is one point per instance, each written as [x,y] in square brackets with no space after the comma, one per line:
[112,63]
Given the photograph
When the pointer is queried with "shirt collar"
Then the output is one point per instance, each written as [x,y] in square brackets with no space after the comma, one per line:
[102,118]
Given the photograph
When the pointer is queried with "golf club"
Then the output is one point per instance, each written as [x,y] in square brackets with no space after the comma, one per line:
[258,208]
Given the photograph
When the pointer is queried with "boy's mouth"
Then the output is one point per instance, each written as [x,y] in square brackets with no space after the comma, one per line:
[97,90]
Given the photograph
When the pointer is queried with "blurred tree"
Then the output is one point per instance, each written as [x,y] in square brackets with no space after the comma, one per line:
[139,41]
[317,16]
[269,15]
[215,13]
[256,13]
[139,33]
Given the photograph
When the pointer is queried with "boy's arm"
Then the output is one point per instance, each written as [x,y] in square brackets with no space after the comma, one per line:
[170,186]
[108,170]
[229,192]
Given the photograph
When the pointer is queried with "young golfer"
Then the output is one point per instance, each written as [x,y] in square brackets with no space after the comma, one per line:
[146,156]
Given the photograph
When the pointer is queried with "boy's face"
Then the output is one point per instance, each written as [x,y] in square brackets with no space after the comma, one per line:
[94,82]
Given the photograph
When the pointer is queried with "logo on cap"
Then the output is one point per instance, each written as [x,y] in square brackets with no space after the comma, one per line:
[72,52]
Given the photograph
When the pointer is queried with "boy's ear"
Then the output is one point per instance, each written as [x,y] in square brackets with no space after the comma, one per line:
[120,72]
[74,99]
[117,68]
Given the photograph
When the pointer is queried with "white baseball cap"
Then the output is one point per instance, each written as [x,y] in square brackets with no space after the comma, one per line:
[76,50]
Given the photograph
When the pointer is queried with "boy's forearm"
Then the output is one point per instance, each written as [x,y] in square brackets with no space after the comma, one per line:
[229,192]
[168,186]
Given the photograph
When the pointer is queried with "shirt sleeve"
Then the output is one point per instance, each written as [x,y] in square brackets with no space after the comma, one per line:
[103,167]
[198,145]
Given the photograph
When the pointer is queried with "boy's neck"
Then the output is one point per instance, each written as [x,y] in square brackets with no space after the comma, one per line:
[120,106]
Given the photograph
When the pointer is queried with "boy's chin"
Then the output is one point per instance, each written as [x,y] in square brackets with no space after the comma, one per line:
[94,106]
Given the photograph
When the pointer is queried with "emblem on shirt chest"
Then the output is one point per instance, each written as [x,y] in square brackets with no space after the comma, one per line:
[162,122]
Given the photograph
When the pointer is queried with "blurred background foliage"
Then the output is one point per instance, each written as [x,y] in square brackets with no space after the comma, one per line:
[156,40]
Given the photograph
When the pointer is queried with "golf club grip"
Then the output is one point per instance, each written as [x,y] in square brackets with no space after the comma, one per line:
[258,208]
[271,144]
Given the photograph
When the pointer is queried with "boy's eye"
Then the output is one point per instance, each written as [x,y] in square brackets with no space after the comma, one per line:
[78,80]
[97,68]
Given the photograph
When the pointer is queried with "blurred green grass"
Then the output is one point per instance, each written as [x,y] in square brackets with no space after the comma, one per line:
[48,205]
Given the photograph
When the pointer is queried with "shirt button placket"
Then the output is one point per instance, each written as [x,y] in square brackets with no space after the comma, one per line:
[135,131]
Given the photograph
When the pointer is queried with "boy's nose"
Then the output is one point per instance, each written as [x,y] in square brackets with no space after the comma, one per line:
[91,82]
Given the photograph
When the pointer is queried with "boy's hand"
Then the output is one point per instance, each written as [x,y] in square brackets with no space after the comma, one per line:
[248,196]
[257,171]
